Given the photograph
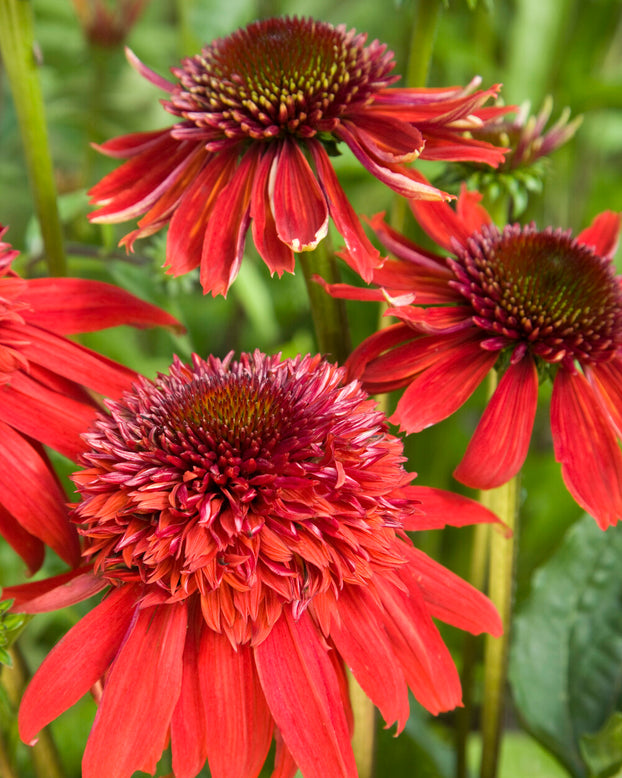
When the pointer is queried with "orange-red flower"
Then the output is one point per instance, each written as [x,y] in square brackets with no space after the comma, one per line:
[248,521]
[45,395]
[258,115]
[533,304]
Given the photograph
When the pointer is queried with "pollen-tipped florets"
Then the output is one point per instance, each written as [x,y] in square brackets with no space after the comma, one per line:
[544,290]
[277,77]
[247,485]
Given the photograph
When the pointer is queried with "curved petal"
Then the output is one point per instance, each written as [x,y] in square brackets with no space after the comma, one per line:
[603,234]
[67,306]
[440,508]
[386,138]
[30,491]
[448,597]
[361,255]
[441,389]
[277,255]
[239,723]
[298,204]
[29,547]
[499,445]
[151,76]
[426,663]
[127,146]
[88,649]
[606,379]
[223,242]
[363,644]
[586,446]
[284,764]
[56,592]
[300,685]
[188,729]
[140,693]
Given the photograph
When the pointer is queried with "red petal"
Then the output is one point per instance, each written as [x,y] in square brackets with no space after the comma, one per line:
[79,660]
[361,255]
[440,508]
[602,235]
[448,597]
[126,146]
[151,76]
[71,305]
[606,378]
[442,389]
[284,764]
[302,690]
[586,446]
[499,445]
[140,693]
[30,548]
[277,255]
[184,242]
[427,664]
[239,724]
[298,204]
[223,242]
[188,728]
[56,592]
[32,494]
[385,138]
[362,642]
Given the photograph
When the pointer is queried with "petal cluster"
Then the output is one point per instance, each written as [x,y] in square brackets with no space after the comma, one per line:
[530,303]
[46,395]
[258,115]
[248,520]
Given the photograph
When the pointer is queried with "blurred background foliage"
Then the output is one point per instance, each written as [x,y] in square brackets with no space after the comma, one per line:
[569,49]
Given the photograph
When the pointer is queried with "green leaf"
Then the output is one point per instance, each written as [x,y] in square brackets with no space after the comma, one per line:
[566,655]
[602,751]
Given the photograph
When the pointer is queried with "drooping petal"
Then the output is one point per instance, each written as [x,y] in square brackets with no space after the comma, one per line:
[56,592]
[440,390]
[362,642]
[585,444]
[29,548]
[284,764]
[298,204]
[277,255]
[300,685]
[31,492]
[140,693]
[385,138]
[238,721]
[223,243]
[440,508]
[426,663]
[126,146]
[68,306]
[448,597]
[499,445]
[361,255]
[188,728]
[606,378]
[602,235]
[79,660]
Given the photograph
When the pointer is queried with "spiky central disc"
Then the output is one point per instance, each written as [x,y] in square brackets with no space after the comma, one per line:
[247,485]
[279,76]
[545,289]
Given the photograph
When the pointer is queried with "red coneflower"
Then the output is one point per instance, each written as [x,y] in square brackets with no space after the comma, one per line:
[44,397]
[259,113]
[248,519]
[530,303]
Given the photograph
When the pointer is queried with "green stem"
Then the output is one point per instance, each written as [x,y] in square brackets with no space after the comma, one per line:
[6,767]
[504,502]
[329,314]
[17,49]
[44,754]
[423,35]
[363,737]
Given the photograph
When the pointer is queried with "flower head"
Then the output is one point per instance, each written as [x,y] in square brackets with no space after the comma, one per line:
[533,304]
[248,519]
[258,114]
[108,23]
[46,398]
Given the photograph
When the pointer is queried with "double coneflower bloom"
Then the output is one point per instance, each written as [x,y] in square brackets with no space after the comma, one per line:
[258,115]
[46,395]
[247,520]
[532,304]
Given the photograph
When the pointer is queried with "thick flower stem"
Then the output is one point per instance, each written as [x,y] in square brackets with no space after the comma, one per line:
[422,37]
[329,314]
[363,738]
[18,55]
[504,502]
[44,754]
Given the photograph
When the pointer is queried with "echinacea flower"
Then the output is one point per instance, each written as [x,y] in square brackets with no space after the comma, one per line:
[107,23]
[45,380]
[532,304]
[258,115]
[248,521]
